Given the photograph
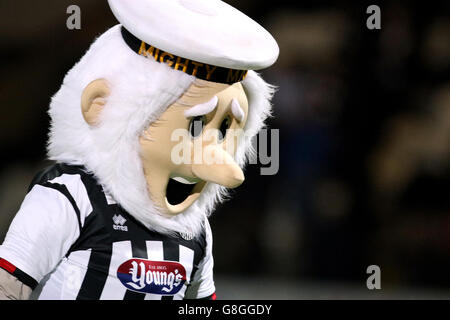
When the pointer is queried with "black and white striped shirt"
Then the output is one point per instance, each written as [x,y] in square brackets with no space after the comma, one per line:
[70,240]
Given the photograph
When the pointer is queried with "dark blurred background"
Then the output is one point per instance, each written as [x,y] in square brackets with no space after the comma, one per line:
[364,122]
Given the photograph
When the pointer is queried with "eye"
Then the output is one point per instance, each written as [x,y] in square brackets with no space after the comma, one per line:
[224,126]
[196,126]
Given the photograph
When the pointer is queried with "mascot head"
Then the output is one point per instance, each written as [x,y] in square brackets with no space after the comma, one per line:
[163,107]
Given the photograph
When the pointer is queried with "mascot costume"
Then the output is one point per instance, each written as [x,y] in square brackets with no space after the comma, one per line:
[141,130]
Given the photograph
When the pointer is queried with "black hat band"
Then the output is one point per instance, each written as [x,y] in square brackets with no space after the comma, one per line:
[197,69]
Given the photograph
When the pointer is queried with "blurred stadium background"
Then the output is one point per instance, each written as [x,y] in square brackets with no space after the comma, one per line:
[364,120]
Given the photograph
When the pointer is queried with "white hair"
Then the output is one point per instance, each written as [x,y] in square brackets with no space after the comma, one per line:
[141,90]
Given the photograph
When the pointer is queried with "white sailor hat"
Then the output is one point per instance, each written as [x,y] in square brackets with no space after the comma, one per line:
[208,39]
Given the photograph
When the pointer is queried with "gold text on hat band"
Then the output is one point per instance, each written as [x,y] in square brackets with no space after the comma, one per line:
[194,68]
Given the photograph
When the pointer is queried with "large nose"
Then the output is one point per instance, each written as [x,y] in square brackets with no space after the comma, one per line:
[220,168]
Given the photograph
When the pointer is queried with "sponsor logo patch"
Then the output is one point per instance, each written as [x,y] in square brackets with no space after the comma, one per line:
[146,276]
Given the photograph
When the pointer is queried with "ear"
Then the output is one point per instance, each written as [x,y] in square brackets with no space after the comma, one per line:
[93,99]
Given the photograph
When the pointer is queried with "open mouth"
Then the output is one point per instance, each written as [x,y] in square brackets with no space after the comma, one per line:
[181,193]
[177,191]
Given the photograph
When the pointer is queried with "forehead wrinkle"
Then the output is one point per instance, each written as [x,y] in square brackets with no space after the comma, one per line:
[198,89]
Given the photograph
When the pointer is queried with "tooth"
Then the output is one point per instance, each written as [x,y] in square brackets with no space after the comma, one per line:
[183,180]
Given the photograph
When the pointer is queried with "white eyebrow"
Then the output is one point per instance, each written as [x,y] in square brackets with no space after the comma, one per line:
[237,111]
[203,108]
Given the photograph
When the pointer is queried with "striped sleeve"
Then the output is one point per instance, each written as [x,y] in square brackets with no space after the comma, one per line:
[202,286]
[46,225]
